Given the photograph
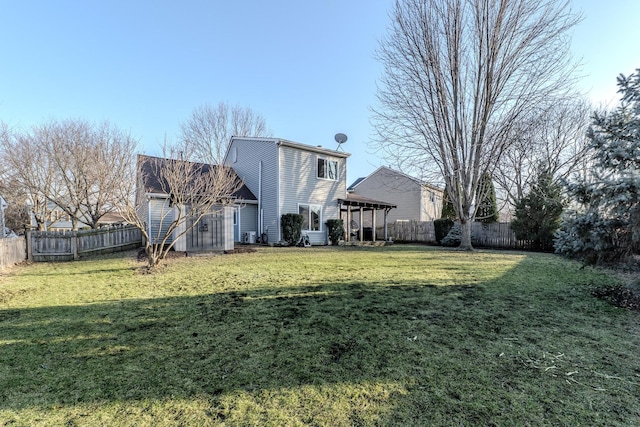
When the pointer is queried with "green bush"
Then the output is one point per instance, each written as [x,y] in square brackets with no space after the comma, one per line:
[291,227]
[453,237]
[335,228]
[442,227]
[448,211]
[537,215]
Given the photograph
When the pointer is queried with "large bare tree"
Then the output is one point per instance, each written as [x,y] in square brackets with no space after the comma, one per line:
[553,140]
[28,175]
[73,165]
[458,76]
[186,191]
[206,134]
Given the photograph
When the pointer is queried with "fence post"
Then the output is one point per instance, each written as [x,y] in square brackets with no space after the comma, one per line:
[74,245]
[29,236]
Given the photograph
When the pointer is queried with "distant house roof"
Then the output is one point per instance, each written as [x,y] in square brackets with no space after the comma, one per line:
[355,183]
[111,218]
[152,182]
[409,177]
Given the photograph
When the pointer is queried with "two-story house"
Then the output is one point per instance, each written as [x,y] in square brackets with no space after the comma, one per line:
[288,177]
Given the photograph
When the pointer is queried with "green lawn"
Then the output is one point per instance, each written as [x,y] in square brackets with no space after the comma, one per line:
[406,335]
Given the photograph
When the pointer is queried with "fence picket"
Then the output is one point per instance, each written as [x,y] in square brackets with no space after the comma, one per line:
[13,250]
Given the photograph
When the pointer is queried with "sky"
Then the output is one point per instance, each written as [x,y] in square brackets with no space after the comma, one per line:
[307,66]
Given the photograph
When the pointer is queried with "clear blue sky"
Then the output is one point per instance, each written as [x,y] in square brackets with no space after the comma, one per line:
[306,66]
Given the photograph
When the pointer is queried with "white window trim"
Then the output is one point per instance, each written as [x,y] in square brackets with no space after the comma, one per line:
[326,160]
[310,206]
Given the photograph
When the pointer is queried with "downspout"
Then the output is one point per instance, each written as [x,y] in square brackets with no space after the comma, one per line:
[278,191]
[422,211]
[149,219]
[260,217]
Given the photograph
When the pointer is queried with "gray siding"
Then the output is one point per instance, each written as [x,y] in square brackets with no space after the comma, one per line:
[248,219]
[249,153]
[300,185]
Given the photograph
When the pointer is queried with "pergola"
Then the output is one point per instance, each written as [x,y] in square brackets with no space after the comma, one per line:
[361,204]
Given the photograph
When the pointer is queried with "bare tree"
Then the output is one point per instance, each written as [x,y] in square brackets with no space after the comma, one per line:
[186,191]
[28,174]
[206,134]
[458,75]
[553,140]
[72,165]
[89,160]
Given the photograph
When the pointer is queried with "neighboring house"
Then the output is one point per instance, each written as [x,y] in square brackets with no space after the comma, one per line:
[55,219]
[414,199]
[215,231]
[289,177]
[110,219]
[58,220]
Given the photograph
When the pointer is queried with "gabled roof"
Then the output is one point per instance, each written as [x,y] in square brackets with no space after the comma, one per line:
[152,182]
[402,174]
[286,143]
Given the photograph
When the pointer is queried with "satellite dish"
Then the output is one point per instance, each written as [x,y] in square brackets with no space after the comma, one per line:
[340,138]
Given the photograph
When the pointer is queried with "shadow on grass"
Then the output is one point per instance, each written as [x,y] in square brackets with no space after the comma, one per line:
[443,344]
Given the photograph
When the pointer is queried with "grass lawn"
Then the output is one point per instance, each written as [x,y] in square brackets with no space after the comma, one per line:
[406,335]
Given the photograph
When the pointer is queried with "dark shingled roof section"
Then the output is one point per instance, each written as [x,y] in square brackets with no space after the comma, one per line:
[356,182]
[152,182]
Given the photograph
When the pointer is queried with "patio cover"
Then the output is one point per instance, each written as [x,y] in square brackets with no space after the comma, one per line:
[354,202]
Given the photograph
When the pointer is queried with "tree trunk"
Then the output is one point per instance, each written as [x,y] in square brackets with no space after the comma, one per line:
[152,257]
[465,235]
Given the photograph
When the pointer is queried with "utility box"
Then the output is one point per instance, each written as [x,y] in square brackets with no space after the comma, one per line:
[249,237]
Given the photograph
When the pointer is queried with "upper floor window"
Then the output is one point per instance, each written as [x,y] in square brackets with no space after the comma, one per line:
[327,169]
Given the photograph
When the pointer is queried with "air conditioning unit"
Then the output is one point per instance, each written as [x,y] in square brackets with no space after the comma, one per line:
[249,237]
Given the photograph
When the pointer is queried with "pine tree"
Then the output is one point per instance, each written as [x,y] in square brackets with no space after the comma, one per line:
[488,207]
[537,215]
[448,211]
[606,226]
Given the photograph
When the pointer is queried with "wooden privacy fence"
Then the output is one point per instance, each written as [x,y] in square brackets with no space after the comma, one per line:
[12,251]
[410,231]
[495,235]
[71,245]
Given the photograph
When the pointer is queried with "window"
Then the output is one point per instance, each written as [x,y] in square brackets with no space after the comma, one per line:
[234,154]
[311,217]
[327,169]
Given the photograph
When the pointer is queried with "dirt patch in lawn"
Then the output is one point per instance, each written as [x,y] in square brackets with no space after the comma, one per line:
[620,296]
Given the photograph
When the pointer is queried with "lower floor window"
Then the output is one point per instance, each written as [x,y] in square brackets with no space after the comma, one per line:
[311,217]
